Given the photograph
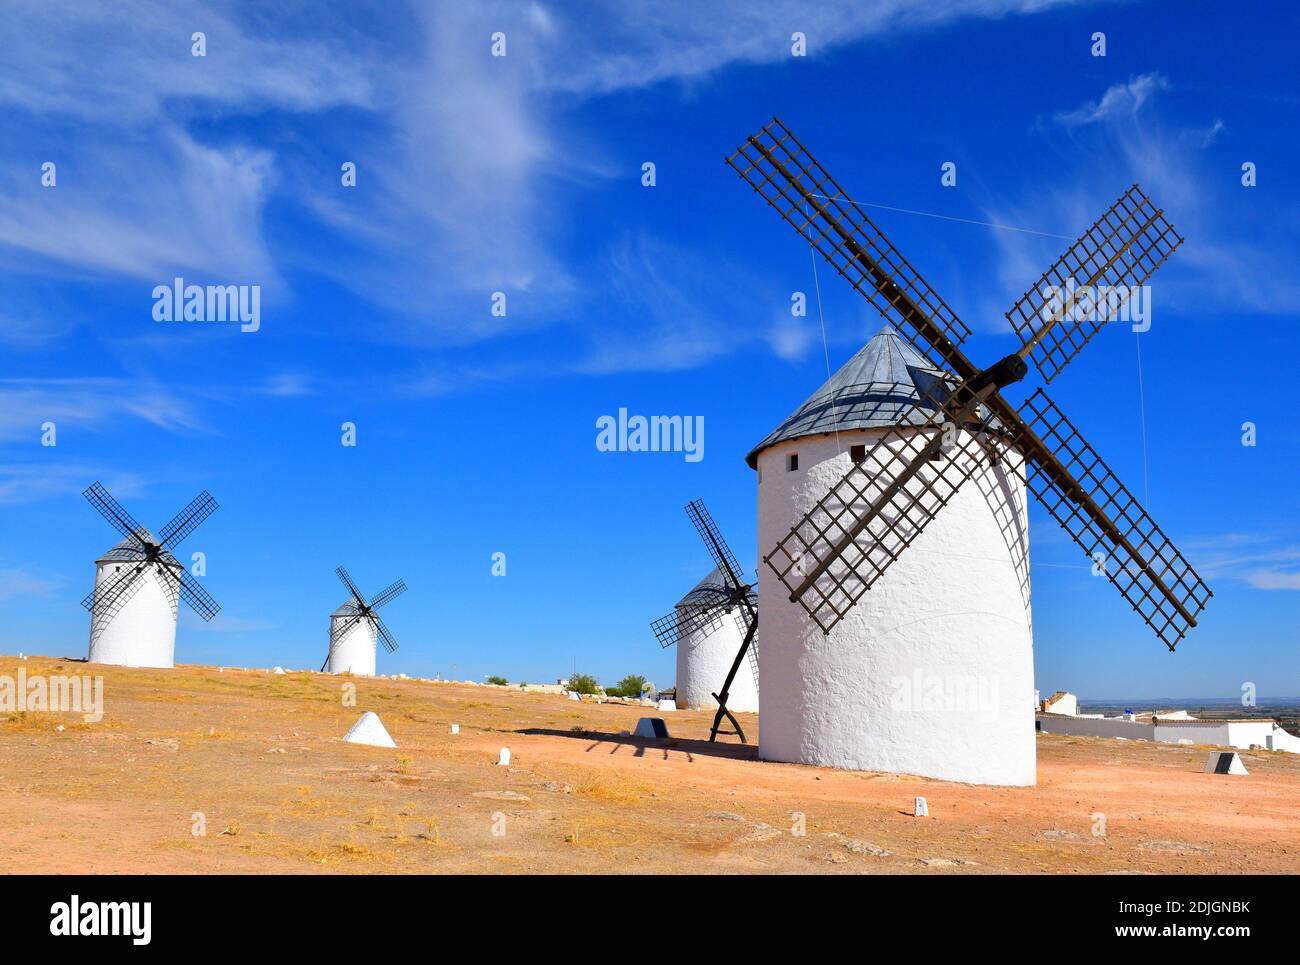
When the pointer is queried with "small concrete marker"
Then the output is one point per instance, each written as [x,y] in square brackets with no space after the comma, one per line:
[573,695]
[1225,762]
[651,727]
[667,705]
[455,728]
[278,670]
[369,729]
[504,759]
[921,809]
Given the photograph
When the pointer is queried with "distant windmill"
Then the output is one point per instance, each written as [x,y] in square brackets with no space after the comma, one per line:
[697,628]
[137,583]
[872,688]
[354,628]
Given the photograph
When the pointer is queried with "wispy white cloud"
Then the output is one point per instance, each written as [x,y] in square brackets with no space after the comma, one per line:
[790,337]
[128,63]
[90,403]
[1120,100]
[22,483]
[1231,260]
[685,303]
[115,221]
[20,583]
[467,167]
[686,41]
[1261,561]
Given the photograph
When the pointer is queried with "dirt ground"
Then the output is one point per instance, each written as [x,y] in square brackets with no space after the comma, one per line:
[255,762]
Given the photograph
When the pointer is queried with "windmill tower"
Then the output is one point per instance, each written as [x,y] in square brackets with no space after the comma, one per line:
[715,627]
[137,585]
[706,649]
[945,633]
[355,628]
[905,475]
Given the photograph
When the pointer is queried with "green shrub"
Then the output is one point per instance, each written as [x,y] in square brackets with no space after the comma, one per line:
[630,686]
[584,683]
[498,680]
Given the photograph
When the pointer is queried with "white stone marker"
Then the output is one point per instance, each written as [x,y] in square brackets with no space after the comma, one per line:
[651,727]
[667,705]
[455,728]
[922,808]
[369,729]
[504,759]
[573,695]
[1225,762]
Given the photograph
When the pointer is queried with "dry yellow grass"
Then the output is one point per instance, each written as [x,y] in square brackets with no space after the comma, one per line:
[259,758]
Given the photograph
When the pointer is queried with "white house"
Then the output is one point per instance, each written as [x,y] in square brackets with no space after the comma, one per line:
[705,655]
[1061,702]
[1171,727]
[354,651]
[931,673]
[140,629]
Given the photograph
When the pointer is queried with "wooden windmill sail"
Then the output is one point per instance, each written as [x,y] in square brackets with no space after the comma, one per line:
[839,549]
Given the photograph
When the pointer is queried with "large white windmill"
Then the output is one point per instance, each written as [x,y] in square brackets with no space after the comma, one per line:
[891,504]
[138,583]
[356,628]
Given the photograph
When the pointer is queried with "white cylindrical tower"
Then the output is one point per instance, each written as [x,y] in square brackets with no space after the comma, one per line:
[931,673]
[139,629]
[705,654]
[354,651]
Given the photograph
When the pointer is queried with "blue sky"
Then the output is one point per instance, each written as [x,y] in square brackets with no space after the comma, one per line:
[522,174]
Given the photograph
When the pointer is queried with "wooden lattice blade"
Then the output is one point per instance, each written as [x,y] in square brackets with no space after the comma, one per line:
[187,520]
[777,166]
[692,618]
[718,549]
[1081,493]
[1093,281]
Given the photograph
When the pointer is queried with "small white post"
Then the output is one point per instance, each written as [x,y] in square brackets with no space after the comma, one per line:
[504,759]
[922,809]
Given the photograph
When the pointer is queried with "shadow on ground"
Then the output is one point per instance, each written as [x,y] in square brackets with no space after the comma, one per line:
[641,746]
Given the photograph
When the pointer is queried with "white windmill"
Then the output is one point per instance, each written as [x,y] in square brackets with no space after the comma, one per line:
[715,627]
[707,648]
[137,584]
[355,628]
[892,503]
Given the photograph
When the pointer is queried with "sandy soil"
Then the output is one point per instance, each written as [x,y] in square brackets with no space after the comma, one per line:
[256,761]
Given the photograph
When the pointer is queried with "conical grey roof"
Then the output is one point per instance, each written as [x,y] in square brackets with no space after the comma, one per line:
[872,390]
[700,593]
[128,551]
[346,609]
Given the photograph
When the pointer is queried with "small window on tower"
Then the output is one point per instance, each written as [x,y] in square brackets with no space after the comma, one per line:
[858,453]
[792,462]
